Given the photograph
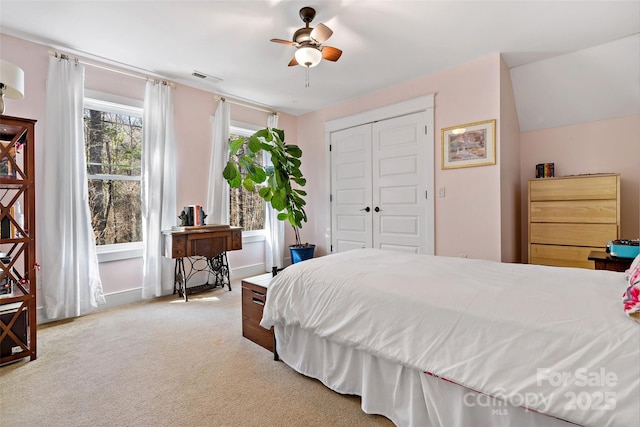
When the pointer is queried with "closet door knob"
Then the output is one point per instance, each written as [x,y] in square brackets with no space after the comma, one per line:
[367,209]
[377,209]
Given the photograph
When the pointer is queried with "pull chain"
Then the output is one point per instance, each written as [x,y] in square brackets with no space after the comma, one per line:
[306,82]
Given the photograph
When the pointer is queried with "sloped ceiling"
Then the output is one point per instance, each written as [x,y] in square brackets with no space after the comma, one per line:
[559,51]
[597,83]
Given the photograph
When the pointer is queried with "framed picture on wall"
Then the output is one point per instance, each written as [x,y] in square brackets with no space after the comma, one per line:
[473,144]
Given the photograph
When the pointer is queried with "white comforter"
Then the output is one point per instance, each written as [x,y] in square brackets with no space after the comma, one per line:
[554,340]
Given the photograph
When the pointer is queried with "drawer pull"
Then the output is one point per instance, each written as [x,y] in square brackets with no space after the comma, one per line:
[258,301]
[262,294]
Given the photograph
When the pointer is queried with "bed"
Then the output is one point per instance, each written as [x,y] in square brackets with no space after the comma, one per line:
[442,341]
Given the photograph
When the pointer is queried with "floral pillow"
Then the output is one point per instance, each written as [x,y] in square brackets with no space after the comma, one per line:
[631,301]
[635,265]
[631,297]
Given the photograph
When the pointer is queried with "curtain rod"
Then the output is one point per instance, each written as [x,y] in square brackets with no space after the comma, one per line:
[248,104]
[113,70]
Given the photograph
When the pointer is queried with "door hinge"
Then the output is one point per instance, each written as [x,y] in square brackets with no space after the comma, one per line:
[330,197]
[426,194]
[425,129]
[329,147]
[331,248]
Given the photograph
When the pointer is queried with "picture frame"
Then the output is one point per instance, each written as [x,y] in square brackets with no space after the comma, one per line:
[469,145]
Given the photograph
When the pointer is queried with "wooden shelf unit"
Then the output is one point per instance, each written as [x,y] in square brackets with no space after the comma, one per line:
[571,216]
[17,240]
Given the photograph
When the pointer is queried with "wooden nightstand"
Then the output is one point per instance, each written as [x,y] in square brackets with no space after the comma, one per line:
[254,295]
[604,261]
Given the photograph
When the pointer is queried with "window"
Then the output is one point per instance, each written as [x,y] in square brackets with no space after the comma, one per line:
[113,144]
[246,209]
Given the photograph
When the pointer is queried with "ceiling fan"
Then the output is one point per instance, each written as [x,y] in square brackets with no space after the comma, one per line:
[308,42]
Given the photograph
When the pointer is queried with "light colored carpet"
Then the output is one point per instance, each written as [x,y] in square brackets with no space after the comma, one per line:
[165,363]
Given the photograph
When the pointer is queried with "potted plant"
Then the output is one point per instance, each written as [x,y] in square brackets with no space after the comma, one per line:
[274,183]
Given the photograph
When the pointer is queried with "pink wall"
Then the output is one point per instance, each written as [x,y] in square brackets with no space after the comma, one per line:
[509,159]
[595,147]
[468,217]
[192,110]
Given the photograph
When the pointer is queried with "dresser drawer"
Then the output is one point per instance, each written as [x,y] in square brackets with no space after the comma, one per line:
[585,211]
[562,256]
[590,235]
[578,188]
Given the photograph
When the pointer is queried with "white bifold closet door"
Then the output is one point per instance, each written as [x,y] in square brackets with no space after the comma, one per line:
[378,185]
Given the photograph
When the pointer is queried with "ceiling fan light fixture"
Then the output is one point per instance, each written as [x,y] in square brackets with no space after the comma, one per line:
[308,56]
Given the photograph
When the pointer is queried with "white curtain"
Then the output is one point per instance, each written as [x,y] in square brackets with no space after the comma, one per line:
[274,248]
[70,277]
[158,187]
[218,193]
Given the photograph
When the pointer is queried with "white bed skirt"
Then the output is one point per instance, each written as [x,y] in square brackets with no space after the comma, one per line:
[405,395]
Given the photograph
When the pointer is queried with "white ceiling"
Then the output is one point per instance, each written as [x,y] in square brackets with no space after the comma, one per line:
[384,42]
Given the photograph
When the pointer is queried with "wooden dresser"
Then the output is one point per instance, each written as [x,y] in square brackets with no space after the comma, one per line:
[571,216]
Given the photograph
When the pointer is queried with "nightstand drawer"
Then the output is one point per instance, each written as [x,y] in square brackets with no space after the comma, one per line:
[250,291]
[252,304]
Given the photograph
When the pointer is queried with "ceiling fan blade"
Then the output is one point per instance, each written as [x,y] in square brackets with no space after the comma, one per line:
[287,42]
[321,33]
[293,62]
[331,53]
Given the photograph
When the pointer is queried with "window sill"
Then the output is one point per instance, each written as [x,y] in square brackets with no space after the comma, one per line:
[122,251]
[253,236]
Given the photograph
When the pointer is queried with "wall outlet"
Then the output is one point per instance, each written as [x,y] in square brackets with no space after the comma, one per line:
[441,192]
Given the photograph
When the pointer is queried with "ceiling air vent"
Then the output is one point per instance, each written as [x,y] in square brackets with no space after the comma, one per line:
[203,76]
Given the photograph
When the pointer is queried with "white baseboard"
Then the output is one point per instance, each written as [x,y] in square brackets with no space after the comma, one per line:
[247,271]
[130,296]
[115,299]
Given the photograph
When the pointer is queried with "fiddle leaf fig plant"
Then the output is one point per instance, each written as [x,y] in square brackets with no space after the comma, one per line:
[280,183]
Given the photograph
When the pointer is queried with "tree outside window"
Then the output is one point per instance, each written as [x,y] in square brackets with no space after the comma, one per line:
[246,209]
[113,143]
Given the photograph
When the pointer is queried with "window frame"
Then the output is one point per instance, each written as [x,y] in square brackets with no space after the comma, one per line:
[247,129]
[115,104]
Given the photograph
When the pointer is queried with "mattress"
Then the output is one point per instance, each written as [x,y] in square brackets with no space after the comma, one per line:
[549,340]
